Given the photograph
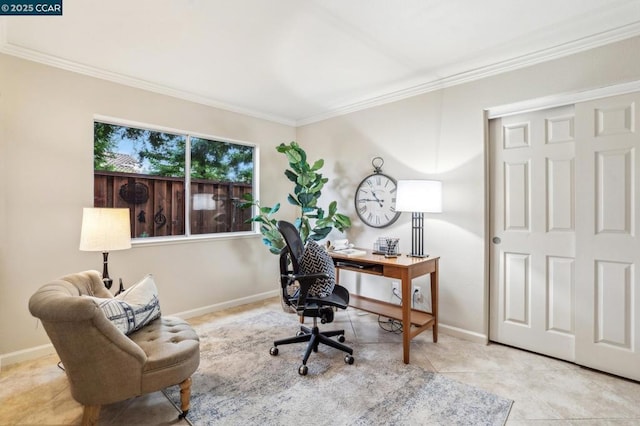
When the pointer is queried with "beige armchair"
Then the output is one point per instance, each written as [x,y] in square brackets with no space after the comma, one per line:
[103,365]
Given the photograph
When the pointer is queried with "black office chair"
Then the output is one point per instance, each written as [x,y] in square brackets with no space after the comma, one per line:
[310,268]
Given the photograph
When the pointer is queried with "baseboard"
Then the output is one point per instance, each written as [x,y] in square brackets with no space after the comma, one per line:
[226,305]
[26,355]
[463,334]
[48,349]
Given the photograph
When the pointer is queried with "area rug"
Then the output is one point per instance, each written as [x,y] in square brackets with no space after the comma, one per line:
[240,383]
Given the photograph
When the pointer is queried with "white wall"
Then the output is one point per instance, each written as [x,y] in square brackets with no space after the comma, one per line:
[46,177]
[46,131]
[441,135]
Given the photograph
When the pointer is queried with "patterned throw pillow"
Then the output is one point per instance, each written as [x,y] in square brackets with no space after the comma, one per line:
[315,260]
[133,308]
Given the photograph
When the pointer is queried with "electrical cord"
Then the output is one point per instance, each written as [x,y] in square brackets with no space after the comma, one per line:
[391,325]
[414,296]
[395,293]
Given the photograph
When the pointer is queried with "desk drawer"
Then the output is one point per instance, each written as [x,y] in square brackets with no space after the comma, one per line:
[363,267]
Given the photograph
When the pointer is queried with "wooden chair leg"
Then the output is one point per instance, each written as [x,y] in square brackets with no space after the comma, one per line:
[185,397]
[90,415]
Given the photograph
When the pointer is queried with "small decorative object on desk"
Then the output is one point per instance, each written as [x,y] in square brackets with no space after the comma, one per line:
[351,252]
[387,246]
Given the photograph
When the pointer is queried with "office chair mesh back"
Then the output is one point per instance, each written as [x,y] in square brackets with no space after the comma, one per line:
[306,305]
[310,260]
[295,245]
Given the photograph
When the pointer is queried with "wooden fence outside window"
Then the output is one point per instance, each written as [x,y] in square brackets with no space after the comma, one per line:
[157,203]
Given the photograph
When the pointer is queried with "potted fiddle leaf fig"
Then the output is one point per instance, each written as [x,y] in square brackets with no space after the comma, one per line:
[313,222]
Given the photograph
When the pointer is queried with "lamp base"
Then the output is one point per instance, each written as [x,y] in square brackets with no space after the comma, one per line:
[417,235]
[108,282]
[417,255]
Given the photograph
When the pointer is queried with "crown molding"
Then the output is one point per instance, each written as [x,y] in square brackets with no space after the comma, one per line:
[562,99]
[577,46]
[67,65]
[607,37]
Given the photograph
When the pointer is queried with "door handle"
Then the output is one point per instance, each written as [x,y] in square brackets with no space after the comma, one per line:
[496,240]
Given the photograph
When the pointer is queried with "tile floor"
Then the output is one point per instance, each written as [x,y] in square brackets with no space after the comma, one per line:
[545,390]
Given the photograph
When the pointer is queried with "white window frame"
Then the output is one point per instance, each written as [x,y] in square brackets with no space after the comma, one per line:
[162,240]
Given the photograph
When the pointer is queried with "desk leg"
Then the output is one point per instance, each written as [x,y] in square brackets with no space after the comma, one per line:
[434,301]
[406,316]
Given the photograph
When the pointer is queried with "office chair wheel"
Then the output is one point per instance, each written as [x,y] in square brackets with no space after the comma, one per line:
[303,370]
[341,338]
[348,359]
[300,333]
[273,351]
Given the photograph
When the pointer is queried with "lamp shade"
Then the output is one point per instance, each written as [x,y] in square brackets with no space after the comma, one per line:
[419,196]
[105,229]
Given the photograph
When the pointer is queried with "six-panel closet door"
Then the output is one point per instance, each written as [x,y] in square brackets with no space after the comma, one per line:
[532,252]
[564,250]
[608,254]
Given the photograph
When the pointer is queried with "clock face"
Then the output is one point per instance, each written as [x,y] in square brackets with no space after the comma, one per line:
[375,200]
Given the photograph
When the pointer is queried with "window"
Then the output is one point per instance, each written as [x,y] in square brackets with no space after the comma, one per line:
[175,184]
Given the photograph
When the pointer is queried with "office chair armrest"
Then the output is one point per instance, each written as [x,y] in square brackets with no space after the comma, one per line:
[305,280]
[341,292]
[305,277]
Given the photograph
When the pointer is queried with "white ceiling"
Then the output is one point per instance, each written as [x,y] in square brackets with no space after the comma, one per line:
[299,61]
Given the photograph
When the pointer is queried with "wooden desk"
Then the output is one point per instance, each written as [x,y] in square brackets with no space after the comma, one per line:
[405,269]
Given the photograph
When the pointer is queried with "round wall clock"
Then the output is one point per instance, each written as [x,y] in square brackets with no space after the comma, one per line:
[375,198]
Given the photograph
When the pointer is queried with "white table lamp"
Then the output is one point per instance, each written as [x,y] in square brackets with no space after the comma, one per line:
[418,197]
[105,230]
